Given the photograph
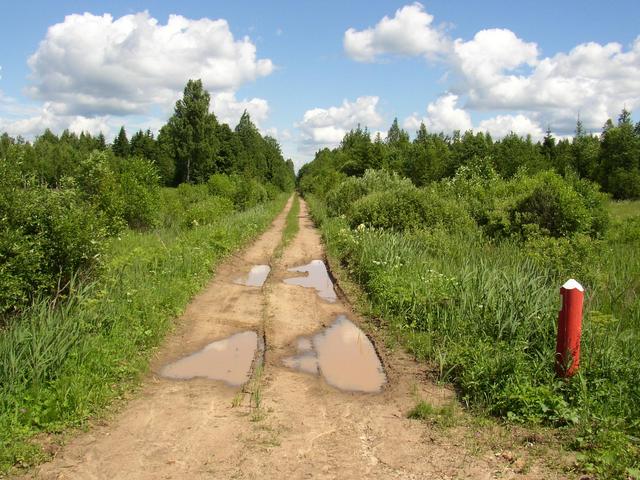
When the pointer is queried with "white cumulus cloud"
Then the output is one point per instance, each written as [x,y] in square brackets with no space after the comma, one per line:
[502,125]
[409,32]
[30,121]
[229,110]
[444,115]
[96,65]
[96,72]
[497,70]
[325,127]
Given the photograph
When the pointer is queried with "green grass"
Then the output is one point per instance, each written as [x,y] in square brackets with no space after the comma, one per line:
[291,227]
[60,366]
[624,209]
[443,416]
[484,315]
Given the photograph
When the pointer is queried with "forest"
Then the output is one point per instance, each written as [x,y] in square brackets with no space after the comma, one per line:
[103,244]
[460,245]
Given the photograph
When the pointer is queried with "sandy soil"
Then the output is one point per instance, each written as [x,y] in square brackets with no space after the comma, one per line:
[303,427]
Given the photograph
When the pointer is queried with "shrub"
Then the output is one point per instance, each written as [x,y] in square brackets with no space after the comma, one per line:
[249,193]
[171,211]
[126,190]
[624,183]
[626,230]
[207,212]
[139,190]
[222,185]
[45,236]
[342,197]
[98,183]
[190,194]
[545,204]
[408,209]
[397,210]
[272,191]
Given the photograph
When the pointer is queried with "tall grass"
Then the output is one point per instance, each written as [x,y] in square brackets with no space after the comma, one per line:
[484,314]
[61,364]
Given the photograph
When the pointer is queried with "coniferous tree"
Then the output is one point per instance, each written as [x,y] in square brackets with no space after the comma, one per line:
[620,158]
[120,145]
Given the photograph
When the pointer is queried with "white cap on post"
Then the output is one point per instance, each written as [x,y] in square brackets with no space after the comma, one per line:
[571,284]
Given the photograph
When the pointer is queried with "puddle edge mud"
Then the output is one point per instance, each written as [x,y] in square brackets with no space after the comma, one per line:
[257,276]
[315,275]
[345,299]
[334,353]
[216,360]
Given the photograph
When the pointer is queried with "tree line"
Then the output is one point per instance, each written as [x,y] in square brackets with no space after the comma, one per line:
[611,159]
[62,197]
[189,148]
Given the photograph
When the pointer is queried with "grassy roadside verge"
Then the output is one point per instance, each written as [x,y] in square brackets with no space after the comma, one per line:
[484,316]
[60,366]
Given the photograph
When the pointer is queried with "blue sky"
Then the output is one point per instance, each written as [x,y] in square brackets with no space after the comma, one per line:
[493,65]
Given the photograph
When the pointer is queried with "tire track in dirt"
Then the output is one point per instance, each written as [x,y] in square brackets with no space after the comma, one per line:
[304,427]
[313,430]
[179,429]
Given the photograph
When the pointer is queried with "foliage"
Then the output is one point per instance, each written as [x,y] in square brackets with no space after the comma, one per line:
[407,208]
[484,314]
[59,366]
[79,314]
[222,185]
[139,190]
[341,198]
[472,287]
[611,160]
[207,212]
[548,204]
[45,236]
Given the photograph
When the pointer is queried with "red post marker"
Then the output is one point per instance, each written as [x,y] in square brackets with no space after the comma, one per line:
[569,329]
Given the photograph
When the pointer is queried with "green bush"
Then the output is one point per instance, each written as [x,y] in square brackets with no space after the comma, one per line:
[98,182]
[190,194]
[139,190]
[408,208]
[46,235]
[272,191]
[222,185]
[249,193]
[545,204]
[345,194]
[207,212]
[624,183]
[626,230]
[126,190]
[341,198]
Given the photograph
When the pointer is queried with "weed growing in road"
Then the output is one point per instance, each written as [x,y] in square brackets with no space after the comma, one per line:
[291,227]
[257,412]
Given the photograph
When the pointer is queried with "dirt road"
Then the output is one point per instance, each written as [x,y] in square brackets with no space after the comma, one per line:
[283,423]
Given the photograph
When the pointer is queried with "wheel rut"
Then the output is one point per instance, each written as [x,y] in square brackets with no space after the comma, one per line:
[284,422]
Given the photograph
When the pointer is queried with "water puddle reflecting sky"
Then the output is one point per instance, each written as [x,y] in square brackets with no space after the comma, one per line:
[256,277]
[317,278]
[228,360]
[343,355]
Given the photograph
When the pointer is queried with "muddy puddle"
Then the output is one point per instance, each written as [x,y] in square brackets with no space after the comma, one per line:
[228,360]
[343,355]
[317,277]
[256,277]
